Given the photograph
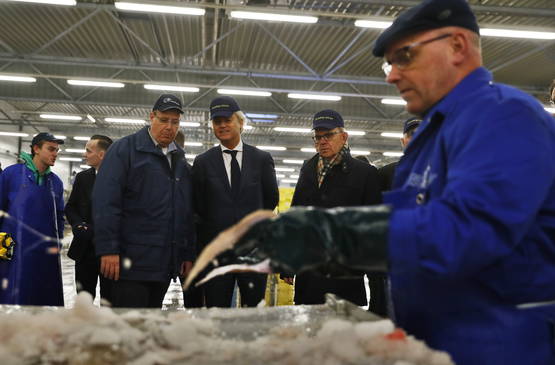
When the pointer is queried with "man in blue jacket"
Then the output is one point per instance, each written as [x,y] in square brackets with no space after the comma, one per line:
[471,233]
[33,197]
[142,209]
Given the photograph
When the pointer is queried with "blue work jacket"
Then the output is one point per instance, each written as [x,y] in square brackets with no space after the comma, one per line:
[143,209]
[472,233]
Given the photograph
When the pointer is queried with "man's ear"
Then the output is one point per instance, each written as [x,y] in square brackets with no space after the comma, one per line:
[459,44]
[36,149]
[101,154]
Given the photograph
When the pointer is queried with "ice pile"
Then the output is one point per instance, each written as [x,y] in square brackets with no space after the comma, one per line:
[88,335]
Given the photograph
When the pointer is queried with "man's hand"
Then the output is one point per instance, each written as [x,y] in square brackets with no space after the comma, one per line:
[186,267]
[109,266]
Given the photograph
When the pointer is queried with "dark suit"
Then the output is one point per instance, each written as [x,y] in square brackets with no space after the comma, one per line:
[78,211]
[350,183]
[218,209]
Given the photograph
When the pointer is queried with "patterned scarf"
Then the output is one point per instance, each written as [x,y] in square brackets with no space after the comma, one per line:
[325,165]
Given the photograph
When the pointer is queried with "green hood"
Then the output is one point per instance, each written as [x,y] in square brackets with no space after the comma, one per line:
[28,160]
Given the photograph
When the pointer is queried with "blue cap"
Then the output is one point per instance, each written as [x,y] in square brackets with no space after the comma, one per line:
[410,124]
[327,119]
[223,106]
[430,14]
[45,136]
[168,102]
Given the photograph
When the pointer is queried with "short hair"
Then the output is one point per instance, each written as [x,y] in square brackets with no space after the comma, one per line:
[38,144]
[180,138]
[104,142]
[243,117]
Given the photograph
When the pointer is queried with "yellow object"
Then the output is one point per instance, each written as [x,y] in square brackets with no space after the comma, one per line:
[6,246]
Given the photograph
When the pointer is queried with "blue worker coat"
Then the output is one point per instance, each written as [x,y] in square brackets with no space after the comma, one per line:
[33,276]
[472,233]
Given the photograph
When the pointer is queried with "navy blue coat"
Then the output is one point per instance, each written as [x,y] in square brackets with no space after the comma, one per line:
[217,209]
[143,210]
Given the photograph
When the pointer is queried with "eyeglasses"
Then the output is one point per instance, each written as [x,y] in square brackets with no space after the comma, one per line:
[403,56]
[168,120]
[325,137]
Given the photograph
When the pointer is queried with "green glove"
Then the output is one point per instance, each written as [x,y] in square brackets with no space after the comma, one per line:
[334,240]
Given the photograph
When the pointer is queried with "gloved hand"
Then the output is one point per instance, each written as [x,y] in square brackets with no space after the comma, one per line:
[7,245]
[339,239]
[83,231]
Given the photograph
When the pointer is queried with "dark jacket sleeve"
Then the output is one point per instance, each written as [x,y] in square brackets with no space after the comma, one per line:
[270,189]
[199,188]
[372,188]
[72,206]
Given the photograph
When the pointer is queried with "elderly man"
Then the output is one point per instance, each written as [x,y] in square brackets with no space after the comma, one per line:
[471,233]
[33,196]
[142,209]
[332,178]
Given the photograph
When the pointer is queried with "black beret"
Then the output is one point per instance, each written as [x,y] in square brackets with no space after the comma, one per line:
[430,14]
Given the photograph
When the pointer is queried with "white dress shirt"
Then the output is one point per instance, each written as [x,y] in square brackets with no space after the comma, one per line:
[165,150]
[227,158]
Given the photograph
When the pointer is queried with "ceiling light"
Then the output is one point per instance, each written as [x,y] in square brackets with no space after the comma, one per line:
[192,157]
[356,133]
[391,134]
[297,162]
[360,152]
[272,148]
[376,24]
[280,176]
[50,2]
[194,144]
[84,166]
[60,117]
[95,83]
[14,134]
[273,17]
[513,33]
[189,124]
[81,138]
[59,137]
[263,120]
[293,130]
[308,149]
[289,181]
[90,118]
[549,109]
[294,176]
[262,116]
[76,150]
[284,169]
[314,97]
[248,127]
[185,89]
[17,78]
[394,102]
[244,92]
[392,154]
[76,159]
[149,8]
[124,120]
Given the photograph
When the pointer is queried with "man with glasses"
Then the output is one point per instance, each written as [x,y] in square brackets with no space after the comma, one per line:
[142,209]
[332,178]
[470,239]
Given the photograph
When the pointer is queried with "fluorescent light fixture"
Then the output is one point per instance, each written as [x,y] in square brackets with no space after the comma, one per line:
[76,150]
[95,83]
[394,102]
[189,124]
[549,109]
[513,33]
[81,138]
[262,116]
[273,17]
[124,120]
[284,169]
[289,181]
[308,149]
[294,176]
[314,96]
[296,162]
[185,89]
[84,166]
[248,127]
[356,133]
[360,152]
[272,148]
[280,176]
[49,2]
[76,159]
[192,157]
[263,120]
[17,78]
[392,154]
[194,144]
[292,130]
[244,92]
[90,118]
[60,117]
[376,24]
[149,8]
[59,137]
[392,134]
[14,134]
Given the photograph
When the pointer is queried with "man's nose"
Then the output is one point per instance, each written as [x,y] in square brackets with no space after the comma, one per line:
[394,75]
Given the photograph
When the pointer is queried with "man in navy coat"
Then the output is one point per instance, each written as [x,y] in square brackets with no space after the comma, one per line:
[230,181]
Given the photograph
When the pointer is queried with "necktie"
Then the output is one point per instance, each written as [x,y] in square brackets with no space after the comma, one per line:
[235,172]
